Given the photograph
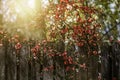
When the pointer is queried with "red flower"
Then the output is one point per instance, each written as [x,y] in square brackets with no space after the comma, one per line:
[45,69]
[34,50]
[64,30]
[89,31]
[18,46]
[64,54]
[90,20]
[80,44]
[37,47]
[66,1]
[94,52]
[83,65]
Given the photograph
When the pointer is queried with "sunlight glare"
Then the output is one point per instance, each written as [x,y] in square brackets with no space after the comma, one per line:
[17,9]
[45,3]
[31,4]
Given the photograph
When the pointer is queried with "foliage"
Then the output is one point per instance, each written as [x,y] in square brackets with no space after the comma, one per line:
[109,17]
[73,24]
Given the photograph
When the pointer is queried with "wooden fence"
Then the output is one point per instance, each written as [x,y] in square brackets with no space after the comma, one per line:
[22,65]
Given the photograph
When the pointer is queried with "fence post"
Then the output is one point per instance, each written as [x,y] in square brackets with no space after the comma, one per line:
[18,49]
[54,68]
[6,59]
[18,64]
[41,71]
[29,63]
[34,69]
